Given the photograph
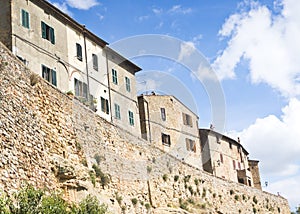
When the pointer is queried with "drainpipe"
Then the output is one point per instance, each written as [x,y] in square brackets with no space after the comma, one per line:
[108,85]
[86,67]
[148,114]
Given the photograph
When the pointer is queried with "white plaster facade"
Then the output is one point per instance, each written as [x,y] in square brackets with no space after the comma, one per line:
[47,40]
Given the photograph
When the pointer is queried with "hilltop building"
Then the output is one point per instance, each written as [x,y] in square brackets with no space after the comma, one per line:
[71,58]
[170,126]
[225,157]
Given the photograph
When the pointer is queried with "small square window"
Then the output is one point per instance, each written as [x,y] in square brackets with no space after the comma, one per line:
[48,33]
[166,140]
[190,145]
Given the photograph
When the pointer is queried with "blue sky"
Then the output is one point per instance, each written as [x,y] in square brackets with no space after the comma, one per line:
[253,48]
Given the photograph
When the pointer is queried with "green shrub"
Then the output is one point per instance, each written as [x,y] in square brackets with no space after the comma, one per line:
[196,181]
[186,178]
[119,198]
[149,169]
[176,178]
[147,205]
[191,190]
[165,177]
[91,205]
[93,178]
[255,199]
[231,192]
[53,204]
[134,201]
[236,197]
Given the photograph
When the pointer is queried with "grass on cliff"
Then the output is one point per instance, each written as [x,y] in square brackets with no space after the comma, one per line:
[34,201]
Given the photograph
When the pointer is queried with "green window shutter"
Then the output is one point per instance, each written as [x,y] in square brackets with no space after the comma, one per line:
[44,34]
[107,107]
[53,77]
[52,36]
[23,18]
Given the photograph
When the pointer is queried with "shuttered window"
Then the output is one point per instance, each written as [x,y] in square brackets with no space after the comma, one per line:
[190,145]
[131,118]
[117,112]
[47,32]
[80,88]
[49,75]
[25,18]
[104,105]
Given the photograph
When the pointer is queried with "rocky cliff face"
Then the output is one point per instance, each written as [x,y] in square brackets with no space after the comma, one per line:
[53,141]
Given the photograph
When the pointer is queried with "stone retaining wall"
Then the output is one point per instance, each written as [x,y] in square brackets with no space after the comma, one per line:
[52,141]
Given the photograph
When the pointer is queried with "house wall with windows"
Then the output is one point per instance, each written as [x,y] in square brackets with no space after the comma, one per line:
[124,104]
[171,126]
[225,157]
[34,40]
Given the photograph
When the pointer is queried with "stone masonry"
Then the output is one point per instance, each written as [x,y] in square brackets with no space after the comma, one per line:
[51,141]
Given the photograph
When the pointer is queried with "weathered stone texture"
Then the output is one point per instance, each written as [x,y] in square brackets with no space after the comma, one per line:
[51,140]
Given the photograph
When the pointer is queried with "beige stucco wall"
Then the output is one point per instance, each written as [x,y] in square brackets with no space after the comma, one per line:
[29,44]
[226,169]
[173,126]
[119,95]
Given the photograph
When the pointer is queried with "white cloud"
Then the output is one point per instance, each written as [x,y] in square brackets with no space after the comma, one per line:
[143,18]
[275,141]
[63,7]
[82,4]
[186,50]
[179,10]
[268,41]
[100,16]
[288,188]
[157,11]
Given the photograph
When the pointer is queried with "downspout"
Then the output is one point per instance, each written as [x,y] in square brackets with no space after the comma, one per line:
[108,85]
[87,68]
[148,114]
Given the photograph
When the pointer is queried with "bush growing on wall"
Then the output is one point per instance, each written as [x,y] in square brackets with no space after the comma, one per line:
[33,201]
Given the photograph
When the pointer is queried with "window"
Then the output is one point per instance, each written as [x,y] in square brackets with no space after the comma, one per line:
[187,120]
[166,140]
[48,33]
[95,62]
[104,105]
[25,18]
[230,145]
[49,75]
[221,158]
[79,52]
[114,76]
[190,145]
[234,166]
[163,114]
[239,165]
[80,88]
[131,119]
[127,81]
[117,111]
